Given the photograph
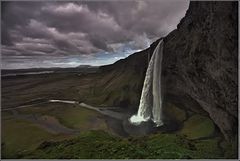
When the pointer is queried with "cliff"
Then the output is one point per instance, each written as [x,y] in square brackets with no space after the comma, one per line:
[200,65]
[201,61]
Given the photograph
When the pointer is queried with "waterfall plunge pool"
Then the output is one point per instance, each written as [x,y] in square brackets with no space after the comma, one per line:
[136,119]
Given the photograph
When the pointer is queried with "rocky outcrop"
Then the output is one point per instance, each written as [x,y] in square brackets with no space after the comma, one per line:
[201,61]
[200,64]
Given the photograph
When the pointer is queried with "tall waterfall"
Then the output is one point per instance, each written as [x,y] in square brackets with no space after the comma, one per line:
[151,99]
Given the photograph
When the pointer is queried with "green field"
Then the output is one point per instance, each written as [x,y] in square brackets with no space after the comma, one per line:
[101,145]
[23,139]
[72,116]
[197,136]
[198,126]
[20,135]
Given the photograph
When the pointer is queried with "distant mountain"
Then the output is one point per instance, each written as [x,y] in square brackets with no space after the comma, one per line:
[84,66]
[32,71]
[87,66]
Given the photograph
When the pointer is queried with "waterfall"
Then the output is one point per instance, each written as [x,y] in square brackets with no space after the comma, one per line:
[156,89]
[150,106]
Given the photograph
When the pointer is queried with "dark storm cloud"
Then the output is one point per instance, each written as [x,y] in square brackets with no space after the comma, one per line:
[54,33]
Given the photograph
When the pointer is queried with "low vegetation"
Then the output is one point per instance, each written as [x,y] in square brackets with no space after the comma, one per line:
[24,139]
[101,145]
[19,136]
[198,126]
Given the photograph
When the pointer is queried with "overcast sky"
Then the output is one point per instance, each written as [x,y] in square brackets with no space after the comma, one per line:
[68,34]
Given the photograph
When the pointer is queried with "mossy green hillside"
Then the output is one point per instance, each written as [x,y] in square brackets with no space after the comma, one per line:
[198,126]
[101,145]
[19,136]
[71,116]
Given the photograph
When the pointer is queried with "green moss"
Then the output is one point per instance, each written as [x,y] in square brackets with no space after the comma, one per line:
[88,145]
[71,116]
[101,145]
[198,126]
[19,136]
[208,148]
[168,146]
[78,118]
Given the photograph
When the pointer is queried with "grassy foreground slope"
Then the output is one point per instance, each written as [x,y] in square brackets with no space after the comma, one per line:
[21,135]
[101,145]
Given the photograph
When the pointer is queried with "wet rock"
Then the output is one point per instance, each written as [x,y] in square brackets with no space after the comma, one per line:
[138,130]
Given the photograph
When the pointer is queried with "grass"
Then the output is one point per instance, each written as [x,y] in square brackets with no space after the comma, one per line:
[115,88]
[208,148]
[168,146]
[19,136]
[21,139]
[101,145]
[71,116]
[198,126]
[79,118]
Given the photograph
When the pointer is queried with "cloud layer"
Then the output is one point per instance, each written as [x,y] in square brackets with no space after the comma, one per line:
[66,34]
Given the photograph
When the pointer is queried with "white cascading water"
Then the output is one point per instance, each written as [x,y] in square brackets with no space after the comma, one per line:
[151,99]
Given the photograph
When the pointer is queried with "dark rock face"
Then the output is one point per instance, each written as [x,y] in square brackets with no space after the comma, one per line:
[201,60]
[200,64]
